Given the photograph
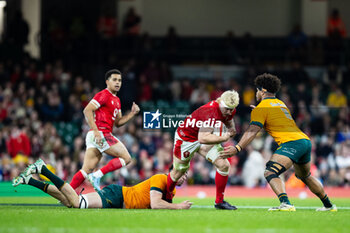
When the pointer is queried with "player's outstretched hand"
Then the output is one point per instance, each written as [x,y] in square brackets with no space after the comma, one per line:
[135,108]
[185,205]
[252,106]
[228,152]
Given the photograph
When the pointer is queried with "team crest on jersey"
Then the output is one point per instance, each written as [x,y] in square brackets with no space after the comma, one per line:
[151,120]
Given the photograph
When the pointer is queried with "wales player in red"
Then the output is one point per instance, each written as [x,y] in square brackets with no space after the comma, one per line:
[196,135]
[102,112]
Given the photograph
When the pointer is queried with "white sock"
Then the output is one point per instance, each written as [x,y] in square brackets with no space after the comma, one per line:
[98,174]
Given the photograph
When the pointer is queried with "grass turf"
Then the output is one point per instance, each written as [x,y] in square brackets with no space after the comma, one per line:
[252,216]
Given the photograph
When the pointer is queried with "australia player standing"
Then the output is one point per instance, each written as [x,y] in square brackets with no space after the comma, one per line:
[294,146]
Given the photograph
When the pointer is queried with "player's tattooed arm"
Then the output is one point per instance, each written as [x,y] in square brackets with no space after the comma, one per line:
[122,120]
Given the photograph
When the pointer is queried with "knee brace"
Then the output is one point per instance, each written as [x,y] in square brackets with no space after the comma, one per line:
[303,179]
[276,169]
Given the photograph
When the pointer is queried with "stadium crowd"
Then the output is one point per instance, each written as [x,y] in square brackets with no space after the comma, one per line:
[41,102]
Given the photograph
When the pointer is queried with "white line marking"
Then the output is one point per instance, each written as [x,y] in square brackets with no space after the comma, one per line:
[267,207]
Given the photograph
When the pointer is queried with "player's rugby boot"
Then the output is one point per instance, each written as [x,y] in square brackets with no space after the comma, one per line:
[35,168]
[283,207]
[225,206]
[95,182]
[332,209]
[21,179]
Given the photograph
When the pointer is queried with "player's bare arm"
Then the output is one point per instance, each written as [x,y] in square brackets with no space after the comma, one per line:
[158,203]
[89,116]
[247,137]
[205,136]
[122,120]
[231,127]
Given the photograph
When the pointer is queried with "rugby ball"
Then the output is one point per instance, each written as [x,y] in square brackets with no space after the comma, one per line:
[220,130]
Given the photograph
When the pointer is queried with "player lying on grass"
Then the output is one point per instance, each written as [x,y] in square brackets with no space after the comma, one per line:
[196,135]
[294,146]
[145,195]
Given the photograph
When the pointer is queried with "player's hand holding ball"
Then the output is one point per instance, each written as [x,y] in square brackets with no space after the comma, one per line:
[226,136]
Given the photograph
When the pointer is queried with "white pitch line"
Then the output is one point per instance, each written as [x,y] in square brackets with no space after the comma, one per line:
[267,207]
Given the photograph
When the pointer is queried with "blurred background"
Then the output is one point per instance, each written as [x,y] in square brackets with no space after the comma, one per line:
[174,56]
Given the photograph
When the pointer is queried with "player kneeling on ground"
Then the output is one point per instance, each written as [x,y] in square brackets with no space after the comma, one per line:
[145,195]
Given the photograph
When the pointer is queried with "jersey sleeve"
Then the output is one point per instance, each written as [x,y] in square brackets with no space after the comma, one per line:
[99,99]
[258,117]
[158,183]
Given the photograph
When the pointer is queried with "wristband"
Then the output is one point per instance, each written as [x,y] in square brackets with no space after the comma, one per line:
[238,148]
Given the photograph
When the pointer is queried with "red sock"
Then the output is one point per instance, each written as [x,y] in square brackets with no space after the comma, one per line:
[220,183]
[113,165]
[170,186]
[77,180]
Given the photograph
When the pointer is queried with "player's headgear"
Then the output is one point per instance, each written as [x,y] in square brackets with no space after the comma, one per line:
[229,99]
[110,72]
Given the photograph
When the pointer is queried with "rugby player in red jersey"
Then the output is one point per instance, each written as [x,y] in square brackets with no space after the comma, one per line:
[102,112]
[196,135]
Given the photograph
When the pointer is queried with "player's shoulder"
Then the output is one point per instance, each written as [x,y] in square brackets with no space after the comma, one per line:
[102,93]
[159,177]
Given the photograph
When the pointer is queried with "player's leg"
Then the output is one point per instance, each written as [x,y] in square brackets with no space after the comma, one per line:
[90,200]
[302,171]
[274,168]
[211,153]
[182,154]
[123,158]
[39,167]
[91,159]
[44,186]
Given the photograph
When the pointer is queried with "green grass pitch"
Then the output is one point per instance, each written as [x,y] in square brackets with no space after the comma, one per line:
[252,216]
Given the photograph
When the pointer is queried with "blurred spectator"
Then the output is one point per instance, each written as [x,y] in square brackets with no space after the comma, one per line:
[131,23]
[18,31]
[335,24]
[253,169]
[18,143]
[297,41]
[336,99]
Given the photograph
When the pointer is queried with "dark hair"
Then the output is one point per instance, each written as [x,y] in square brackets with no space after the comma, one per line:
[110,72]
[269,82]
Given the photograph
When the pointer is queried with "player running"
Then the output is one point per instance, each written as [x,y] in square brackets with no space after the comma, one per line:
[294,146]
[146,195]
[195,135]
[102,112]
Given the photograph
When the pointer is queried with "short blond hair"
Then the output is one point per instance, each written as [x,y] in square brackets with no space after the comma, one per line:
[230,98]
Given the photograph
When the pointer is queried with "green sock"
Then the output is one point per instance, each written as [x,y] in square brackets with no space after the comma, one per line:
[326,202]
[38,184]
[284,198]
[58,182]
